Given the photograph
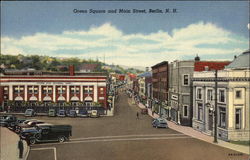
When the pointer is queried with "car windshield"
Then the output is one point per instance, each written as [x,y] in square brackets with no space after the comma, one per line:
[28,111]
[72,111]
[61,111]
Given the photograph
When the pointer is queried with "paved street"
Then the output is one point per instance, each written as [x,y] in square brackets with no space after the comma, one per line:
[123,137]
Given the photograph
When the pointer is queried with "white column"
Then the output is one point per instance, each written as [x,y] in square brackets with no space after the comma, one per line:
[95,92]
[81,93]
[25,93]
[54,93]
[67,95]
[40,93]
[11,92]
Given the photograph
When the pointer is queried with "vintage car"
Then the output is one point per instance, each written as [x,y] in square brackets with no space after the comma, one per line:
[94,114]
[52,113]
[30,113]
[83,113]
[144,111]
[47,133]
[61,113]
[72,113]
[159,123]
[7,120]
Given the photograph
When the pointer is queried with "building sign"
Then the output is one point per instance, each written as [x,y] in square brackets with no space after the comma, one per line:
[101,98]
[174,97]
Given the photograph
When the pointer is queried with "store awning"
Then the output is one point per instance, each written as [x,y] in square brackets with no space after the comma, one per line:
[61,98]
[19,98]
[33,98]
[88,98]
[47,98]
[74,98]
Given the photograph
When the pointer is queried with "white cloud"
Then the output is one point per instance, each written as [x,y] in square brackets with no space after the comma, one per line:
[130,49]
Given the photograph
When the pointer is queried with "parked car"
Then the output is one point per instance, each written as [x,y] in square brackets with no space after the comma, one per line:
[47,133]
[72,113]
[61,113]
[16,124]
[19,126]
[144,111]
[83,113]
[52,113]
[159,123]
[29,113]
[7,120]
[94,114]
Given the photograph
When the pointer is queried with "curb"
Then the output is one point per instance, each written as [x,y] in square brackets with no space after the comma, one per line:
[217,144]
[27,152]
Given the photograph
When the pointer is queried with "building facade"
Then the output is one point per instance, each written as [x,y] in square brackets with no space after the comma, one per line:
[160,86]
[233,92]
[37,87]
[180,87]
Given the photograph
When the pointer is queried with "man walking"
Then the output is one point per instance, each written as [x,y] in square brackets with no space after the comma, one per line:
[20,147]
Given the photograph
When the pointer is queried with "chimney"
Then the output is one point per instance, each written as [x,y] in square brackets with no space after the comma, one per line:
[71,70]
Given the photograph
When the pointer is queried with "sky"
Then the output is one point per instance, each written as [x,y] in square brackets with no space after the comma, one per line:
[214,30]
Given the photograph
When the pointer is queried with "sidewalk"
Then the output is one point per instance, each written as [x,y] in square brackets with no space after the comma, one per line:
[9,145]
[199,135]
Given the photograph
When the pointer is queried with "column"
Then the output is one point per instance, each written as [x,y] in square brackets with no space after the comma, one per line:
[40,93]
[11,92]
[25,93]
[81,93]
[67,95]
[95,93]
[230,116]
[54,93]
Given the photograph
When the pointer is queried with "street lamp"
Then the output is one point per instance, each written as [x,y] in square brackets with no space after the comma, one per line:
[214,109]
[211,108]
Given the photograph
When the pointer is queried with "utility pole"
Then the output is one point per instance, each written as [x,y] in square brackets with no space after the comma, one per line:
[215,107]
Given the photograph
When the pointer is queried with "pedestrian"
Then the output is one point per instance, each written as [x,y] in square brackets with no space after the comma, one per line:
[137,115]
[20,147]
[8,109]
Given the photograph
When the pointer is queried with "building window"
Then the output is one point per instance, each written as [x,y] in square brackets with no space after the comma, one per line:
[6,90]
[200,111]
[30,90]
[198,93]
[238,119]
[35,90]
[222,118]
[209,95]
[221,95]
[77,90]
[238,94]
[49,90]
[185,111]
[185,80]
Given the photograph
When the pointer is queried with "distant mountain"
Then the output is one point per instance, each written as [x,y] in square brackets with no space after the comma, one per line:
[135,67]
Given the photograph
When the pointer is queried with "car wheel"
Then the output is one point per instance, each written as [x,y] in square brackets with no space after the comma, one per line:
[32,141]
[61,139]
[38,135]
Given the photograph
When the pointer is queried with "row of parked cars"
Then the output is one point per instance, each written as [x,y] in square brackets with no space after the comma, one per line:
[65,113]
[36,131]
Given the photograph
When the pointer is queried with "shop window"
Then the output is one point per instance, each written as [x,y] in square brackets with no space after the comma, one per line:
[200,112]
[209,95]
[198,93]
[221,95]
[185,111]
[185,80]
[222,117]
[238,119]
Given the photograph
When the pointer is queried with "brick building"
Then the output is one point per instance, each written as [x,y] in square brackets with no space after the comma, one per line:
[160,86]
[60,88]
